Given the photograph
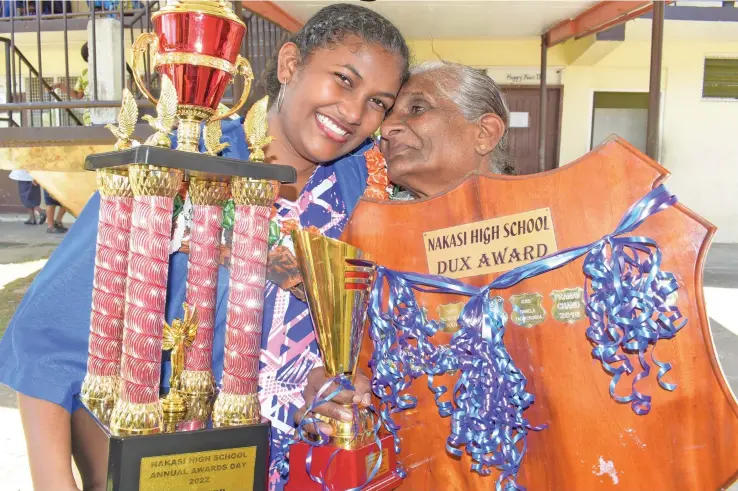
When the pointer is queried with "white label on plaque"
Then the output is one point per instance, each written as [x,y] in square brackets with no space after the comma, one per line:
[519,120]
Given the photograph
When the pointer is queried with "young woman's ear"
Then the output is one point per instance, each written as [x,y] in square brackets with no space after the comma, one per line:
[490,130]
[287,62]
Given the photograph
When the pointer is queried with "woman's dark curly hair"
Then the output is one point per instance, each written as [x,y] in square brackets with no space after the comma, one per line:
[331,24]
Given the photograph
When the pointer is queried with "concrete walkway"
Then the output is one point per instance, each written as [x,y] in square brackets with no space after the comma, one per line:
[21,243]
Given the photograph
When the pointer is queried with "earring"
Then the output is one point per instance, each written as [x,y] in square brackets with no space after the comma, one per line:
[483,148]
[280,98]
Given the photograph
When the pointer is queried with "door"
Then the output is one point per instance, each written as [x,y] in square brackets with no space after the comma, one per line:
[624,114]
[522,138]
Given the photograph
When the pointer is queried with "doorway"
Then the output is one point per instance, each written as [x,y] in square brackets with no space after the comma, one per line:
[522,138]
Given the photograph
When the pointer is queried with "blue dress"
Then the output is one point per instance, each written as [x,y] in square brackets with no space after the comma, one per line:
[43,353]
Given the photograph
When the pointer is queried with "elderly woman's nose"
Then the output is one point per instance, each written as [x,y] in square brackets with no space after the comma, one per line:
[392,126]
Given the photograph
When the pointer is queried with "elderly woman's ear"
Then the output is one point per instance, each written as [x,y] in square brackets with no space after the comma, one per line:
[491,128]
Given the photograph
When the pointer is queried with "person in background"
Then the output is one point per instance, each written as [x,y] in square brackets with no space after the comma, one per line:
[30,195]
[81,87]
[55,216]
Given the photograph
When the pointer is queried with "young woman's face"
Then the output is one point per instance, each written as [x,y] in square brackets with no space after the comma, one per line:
[338,97]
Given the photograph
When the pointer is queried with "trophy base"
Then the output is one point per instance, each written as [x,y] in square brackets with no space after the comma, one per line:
[228,459]
[349,469]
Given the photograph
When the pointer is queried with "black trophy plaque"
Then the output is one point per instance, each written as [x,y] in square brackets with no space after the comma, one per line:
[212,459]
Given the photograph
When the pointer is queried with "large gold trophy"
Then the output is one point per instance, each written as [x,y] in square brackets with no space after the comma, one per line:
[337,279]
[161,442]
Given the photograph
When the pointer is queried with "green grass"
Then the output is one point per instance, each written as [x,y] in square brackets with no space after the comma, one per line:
[10,298]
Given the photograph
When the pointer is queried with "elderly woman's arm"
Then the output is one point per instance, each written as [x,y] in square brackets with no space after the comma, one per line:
[48,430]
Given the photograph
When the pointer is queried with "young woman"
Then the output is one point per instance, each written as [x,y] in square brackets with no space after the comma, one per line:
[449,120]
[330,90]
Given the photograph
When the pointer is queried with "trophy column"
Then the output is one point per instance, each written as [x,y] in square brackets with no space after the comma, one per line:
[138,410]
[237,402]
[197,384]
[101,383]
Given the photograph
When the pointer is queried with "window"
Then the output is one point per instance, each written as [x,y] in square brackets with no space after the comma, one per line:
[624,114]
[720,80]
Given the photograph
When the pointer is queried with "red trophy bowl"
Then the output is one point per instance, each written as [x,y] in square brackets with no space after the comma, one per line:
[197,44]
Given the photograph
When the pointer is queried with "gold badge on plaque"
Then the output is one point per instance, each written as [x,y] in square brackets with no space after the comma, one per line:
[568,305]
[527,309]
[448,316]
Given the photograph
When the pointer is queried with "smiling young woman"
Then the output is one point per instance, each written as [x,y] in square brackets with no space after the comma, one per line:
[330,90]
[329,96]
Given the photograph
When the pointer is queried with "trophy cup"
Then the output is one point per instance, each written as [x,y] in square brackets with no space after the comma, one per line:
[337,278]
[196,45]
[161,443]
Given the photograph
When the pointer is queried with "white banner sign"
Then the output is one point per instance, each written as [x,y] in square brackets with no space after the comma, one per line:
[525,75]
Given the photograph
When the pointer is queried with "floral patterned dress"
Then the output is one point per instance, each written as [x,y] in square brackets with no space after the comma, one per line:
[289,349]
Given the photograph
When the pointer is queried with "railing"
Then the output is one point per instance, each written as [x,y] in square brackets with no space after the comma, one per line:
[38,107]
[33,99]
[11,54]
[263,41]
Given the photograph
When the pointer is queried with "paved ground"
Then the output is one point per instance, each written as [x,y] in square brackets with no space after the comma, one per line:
[21,243]
[22,249]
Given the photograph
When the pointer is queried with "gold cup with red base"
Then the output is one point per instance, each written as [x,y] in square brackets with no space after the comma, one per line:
[337,278]
[196,45]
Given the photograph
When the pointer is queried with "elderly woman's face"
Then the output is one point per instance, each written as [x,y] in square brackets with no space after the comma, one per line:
[426,140]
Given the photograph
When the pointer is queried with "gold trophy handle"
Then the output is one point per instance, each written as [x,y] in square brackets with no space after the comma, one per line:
[142,44]
[242,67]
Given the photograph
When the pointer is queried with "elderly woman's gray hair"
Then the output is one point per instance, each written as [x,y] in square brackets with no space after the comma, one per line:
[475,94]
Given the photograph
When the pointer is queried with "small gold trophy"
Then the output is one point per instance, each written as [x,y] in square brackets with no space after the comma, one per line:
[177,337]
[337,278]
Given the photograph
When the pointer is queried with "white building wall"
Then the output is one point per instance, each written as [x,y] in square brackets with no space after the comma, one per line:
[699,141]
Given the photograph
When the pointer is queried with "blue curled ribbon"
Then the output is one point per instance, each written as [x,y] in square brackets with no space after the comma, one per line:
[282,455]
[489,397]
[628,310]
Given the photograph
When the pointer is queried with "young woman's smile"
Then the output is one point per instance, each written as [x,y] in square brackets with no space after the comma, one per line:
[332,128]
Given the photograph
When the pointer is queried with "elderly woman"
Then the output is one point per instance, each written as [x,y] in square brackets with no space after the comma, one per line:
[449,120]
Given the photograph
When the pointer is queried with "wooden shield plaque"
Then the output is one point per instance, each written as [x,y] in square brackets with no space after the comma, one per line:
[688,440]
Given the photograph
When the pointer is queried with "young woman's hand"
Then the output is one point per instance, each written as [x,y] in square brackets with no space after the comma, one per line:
[337,408]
